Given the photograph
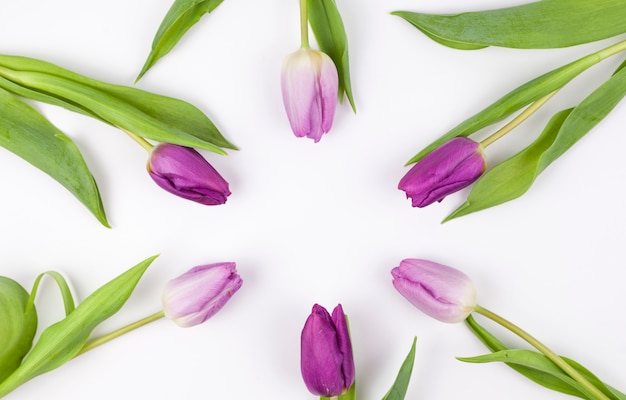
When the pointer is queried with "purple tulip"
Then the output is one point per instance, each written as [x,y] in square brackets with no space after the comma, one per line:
[441,292]
[184,172]
[309,86]
[447,169]
[326,353]
[199,293]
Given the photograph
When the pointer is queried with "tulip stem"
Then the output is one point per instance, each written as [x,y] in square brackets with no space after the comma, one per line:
[521,117]
[555,358]
[304,25]
[119,332]
[142,142]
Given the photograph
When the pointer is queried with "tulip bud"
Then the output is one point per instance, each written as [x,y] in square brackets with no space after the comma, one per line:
[326,353]
[309,86]
[447,169]
[441,292]
[199,293]
[184,172]
[17,327]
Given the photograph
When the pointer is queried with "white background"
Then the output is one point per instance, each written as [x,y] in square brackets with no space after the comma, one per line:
[313,223]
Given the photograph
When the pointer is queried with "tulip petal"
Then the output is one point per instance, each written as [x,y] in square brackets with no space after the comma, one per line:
[321,358]
[198,294]
[439,291]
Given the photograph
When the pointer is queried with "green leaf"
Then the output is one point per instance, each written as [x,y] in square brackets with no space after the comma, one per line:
[537,25]
[29,135]
[66,293]
[142,113]
[522,96]
[513,177]
[494,345]
[536,367]
[61,341]
[181,16]
[400,385]
[541,365]
[18,325]
[330,34]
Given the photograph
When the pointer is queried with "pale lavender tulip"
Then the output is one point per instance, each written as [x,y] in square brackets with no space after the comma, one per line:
[309,87]
[184,172]
[326,360]
[447,169]
[441,292]
[199,293]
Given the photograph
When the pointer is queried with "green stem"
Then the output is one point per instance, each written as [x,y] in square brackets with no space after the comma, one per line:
[521,117]
[110,336]
[142,142]
[555,358]
[304,25]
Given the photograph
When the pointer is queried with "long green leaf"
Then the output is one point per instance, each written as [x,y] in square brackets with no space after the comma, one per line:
[537,25]
[401,384]
[64,339]
[522,96]
[181,16]
[532,360]
[513,177]
[536,366]
[494,345]
[143,113]
[330,34]
[29,135]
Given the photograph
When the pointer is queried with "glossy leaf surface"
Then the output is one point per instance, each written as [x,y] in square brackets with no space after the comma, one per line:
[536,25]
[331,37]
[513,177]
[535,366]
[401,384]
[179,19]
[61,341]
[25,132]
[142,113]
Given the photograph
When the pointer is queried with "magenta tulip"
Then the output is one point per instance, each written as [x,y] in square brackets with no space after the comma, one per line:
[309,87]
[441,292]
[184,172]
[327,363]
[199,293]
[447,169]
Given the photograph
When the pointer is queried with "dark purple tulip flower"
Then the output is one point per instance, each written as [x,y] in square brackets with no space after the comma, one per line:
[199,293]
[447,169]
[184,172]
[326,353]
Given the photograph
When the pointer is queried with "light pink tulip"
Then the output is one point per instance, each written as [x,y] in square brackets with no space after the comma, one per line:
[199,293]
[439,291]
[309,86]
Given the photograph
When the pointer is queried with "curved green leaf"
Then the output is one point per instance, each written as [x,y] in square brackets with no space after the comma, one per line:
[145,114]
[29,135]
[522,96]
[537,367]
[181,16]
[537,25]
[494,345]
[18,325]
[401,384]
[330,34]
[537,362]
[64,339]
[64,288]
[513,177]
